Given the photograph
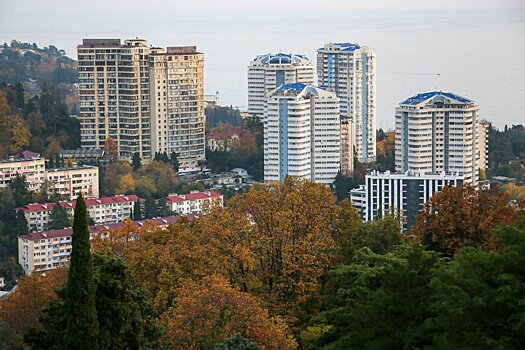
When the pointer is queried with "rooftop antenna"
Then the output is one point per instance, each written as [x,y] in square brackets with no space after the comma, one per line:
[437,77]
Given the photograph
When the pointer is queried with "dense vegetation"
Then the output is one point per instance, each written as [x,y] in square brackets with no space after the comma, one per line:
[284,267]
[216,115]
[507,152]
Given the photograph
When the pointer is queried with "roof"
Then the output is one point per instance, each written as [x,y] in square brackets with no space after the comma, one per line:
[82,152]
[346,46]
[26,155]
[68,231]
[90,202]
[436,96]
[299,88]
[178,198]
[281,58]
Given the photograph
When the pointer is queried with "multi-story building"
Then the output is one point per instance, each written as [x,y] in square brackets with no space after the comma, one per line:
[301,134]
[437,131]
[69,182]
[33,169]
[41,251]
[267,72]
[106,210]
[194,203]
[177,103]
[402,194]
[349,70]
[114,95]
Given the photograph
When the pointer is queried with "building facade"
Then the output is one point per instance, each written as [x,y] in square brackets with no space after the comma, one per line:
[41,251]
[483,148]
[194,203]
[302,134]
[438,131]
[349,70]
[267,72]
[70,182]
[33,169]
[402,194]
[177,103]
[114,95]
[106,210]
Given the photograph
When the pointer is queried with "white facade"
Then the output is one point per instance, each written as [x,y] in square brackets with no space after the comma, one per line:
[437,131]
[69,182]
[32,168]
[483,145]
[402,194]
[177,103]
[349,70]
[267,72]
[194,203]
[107,210]
[302,134]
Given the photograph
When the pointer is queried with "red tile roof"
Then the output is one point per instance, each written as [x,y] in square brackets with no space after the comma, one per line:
[68,231]
[193,196]
[90,202]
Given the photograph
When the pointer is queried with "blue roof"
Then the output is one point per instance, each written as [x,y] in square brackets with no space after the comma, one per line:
[298,87]
[345,46]
[417,99]
[280,58]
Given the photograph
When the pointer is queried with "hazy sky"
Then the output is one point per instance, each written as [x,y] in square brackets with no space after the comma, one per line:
[478,46]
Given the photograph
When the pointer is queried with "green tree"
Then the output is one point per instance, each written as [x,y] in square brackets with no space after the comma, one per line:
[135,161]
[82,329]
[58,219]
[137,215]
[237,342]
[150,208]
[342,185]
[21,225]
[174,161]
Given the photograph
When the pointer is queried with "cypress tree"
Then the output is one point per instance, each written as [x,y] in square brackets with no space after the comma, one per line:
[82,325]
[137,215]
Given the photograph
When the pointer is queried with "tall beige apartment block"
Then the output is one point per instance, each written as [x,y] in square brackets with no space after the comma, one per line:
[114,95]
[177,103]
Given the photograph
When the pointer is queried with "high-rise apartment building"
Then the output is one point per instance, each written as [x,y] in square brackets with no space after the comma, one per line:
[267,72]
[177,103]
[402,194]
[438,132]
[349,70]
[483,148]
[147,99]
[114,95]
[301,134]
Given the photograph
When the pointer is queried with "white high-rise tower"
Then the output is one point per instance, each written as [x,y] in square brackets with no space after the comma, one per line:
[301,134]
[438,132]
[267,72]
[349,71]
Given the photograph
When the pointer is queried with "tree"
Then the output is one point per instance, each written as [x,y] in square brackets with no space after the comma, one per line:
[174,161]
[462,216]
[111,147]
[135,161]
[209,312]
[477,301]
[150,208]
[10,340]
[137,215]
[342,186]
[163,176]
[377,302]
[113,175]
[82,329]
[58,219]
[237,342]
[21,225]
[126,185]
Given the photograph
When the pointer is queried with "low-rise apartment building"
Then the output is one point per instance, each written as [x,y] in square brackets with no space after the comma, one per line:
[194,203]
[69,182]
[41,251]
[107,210]
[33,169]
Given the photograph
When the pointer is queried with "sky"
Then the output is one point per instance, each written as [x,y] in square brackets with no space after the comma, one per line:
[477,46]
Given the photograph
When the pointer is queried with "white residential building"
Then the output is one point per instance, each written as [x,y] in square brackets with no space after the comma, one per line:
[194,203]
[177,103]
[69,182]
[32,168]
[41,251]
[402,194]
[349,70]
[437,131]
[267,72]
[301,134]
[106,210]
[483,146]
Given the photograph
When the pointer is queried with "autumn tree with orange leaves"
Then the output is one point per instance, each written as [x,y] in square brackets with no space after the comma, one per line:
[208,312]
[462,216]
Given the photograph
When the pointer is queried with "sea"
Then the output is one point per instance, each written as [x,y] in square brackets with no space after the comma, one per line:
[479,54]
